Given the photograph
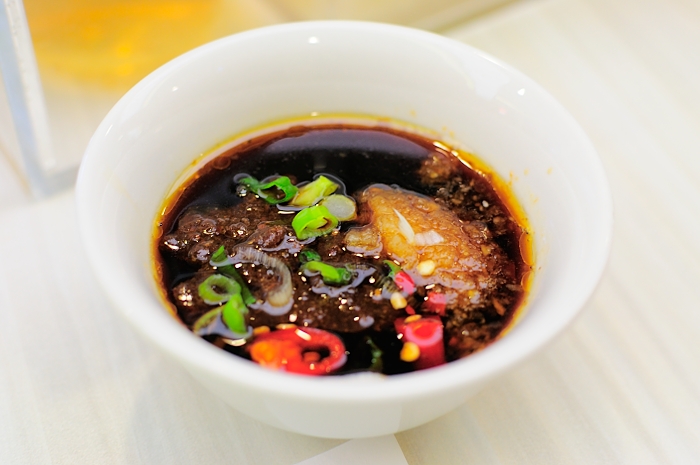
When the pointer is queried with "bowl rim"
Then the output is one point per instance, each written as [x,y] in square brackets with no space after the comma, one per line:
[200,355]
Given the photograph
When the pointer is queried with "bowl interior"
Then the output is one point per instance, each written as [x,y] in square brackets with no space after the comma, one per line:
[252,79]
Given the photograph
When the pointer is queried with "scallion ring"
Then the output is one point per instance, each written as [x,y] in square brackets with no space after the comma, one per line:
[340,206]
[250,182]
[309,194]
[234,313]
[217,289]
[231,272]
[279,190]
[204,321]
[222,261]
[336,276]
[313,221]
[219,256]
[309,255]
[376,363]
[393,268]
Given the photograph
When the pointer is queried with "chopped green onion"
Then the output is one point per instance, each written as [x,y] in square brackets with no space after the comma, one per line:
[218,259]
[388,287]
[234,313]
[309,255]
[340,206]
[232,272]
[313,221]
[330,274]
[205,320]
[314,191]
[393,268]
[217,289]
[250,182]
[279,190]
[376,364]
[283,184]
[219,256]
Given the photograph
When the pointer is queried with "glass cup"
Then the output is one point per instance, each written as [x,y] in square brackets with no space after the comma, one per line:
[82,56]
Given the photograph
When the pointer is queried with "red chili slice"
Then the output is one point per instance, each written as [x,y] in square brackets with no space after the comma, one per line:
[426,333]
[405,282]
[435,303]
[299,350]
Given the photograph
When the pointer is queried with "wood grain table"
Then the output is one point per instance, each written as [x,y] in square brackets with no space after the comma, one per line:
[621,386]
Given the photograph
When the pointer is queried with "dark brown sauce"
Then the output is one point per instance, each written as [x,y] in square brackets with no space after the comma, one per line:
[359,157]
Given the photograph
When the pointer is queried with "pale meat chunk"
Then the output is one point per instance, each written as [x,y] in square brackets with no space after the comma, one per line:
[414,229]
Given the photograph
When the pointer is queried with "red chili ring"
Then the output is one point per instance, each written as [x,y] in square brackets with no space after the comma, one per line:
[405,282]
[427,334]
[284,349]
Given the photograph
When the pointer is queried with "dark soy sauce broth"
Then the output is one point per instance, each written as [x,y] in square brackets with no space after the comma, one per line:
[358,156]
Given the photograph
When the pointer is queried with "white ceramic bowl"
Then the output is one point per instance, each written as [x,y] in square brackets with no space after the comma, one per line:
[251,79]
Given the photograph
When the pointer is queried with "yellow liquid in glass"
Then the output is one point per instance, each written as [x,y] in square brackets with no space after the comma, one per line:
[115,43]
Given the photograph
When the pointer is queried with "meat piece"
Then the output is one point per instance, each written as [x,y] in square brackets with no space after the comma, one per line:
[268,236]
[414,228]
[186,297]
[438,169]
[364,240]
[200,231]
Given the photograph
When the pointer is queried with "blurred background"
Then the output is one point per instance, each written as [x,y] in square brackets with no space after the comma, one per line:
[90,52]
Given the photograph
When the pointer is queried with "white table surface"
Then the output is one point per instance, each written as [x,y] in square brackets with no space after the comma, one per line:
[621,386]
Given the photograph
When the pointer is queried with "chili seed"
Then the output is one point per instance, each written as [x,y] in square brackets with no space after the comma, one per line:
[410,352]
[412,318]
[426,268]
[398,301]
[261,330]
